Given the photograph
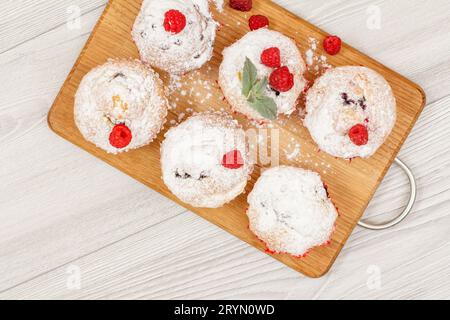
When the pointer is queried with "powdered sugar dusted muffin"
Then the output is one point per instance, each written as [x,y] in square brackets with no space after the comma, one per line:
[261,75]
[176,36]
[290,211]
[350,112]
[120,105]
[205,160]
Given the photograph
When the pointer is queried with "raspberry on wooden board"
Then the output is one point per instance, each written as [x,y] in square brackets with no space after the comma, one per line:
[332,45]
[241,5]
[257,22]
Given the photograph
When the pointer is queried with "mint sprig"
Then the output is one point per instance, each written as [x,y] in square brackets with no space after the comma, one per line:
[254,90]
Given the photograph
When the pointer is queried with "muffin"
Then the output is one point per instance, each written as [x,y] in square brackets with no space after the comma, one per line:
[205,160]
[176,36]
[120,106]
[261,75]
[350,112]
[290,211]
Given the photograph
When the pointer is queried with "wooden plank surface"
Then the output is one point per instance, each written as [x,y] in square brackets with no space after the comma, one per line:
[35,252]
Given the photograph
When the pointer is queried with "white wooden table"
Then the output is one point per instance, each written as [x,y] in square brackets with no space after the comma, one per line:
[73,227]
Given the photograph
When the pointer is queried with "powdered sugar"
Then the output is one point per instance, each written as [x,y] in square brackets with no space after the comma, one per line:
[309,57]
[293,152]
[317,64]
[290,210]
[219,4]
[191,90]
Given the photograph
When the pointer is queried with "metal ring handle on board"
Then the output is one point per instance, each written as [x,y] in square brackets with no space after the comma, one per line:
[406,211]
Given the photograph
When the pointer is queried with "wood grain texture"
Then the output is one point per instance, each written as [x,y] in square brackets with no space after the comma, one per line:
[352,184]
[39,202]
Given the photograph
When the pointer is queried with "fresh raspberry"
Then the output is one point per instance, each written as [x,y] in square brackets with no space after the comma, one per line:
[120,136]
[174,21]
[258,22]
[233,160]
[359,135]
[241,5]
[271,57]
[332,45]
[281,79]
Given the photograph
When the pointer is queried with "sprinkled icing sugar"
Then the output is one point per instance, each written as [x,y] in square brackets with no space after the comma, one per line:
[316,63]
[191,158]
[193,89]
[294,151]
[175,53]
[120,92]
[344,97]
[290,210]
[309,57]
[219,4]
[251,46]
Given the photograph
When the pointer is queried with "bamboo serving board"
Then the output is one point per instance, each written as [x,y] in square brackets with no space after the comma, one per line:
[352,184]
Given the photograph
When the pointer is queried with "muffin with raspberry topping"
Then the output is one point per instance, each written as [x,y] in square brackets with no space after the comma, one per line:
[205,160]
[261,75]
[290,211]
[350,112]
[176,36]
[120,105]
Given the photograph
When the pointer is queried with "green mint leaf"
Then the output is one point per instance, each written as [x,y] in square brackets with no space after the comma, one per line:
[255,92]
[249,77]
[265,106]
[259,88]
[251,98]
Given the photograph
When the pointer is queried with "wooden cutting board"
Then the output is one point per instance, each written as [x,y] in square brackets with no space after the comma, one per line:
[352,184]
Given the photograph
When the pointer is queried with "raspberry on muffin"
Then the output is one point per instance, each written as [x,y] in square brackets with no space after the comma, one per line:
[271,57]
[205,160]
[281,79]
[120,105]
[120,136]
[261,75]
[175,36]
[350,112]
[359,135]
[174,21]
[233,160]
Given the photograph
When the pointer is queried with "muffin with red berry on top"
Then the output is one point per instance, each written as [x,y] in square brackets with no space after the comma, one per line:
[176,36]
[290,211]
[350,112]
[261,75]
[205,160]
[120,105]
